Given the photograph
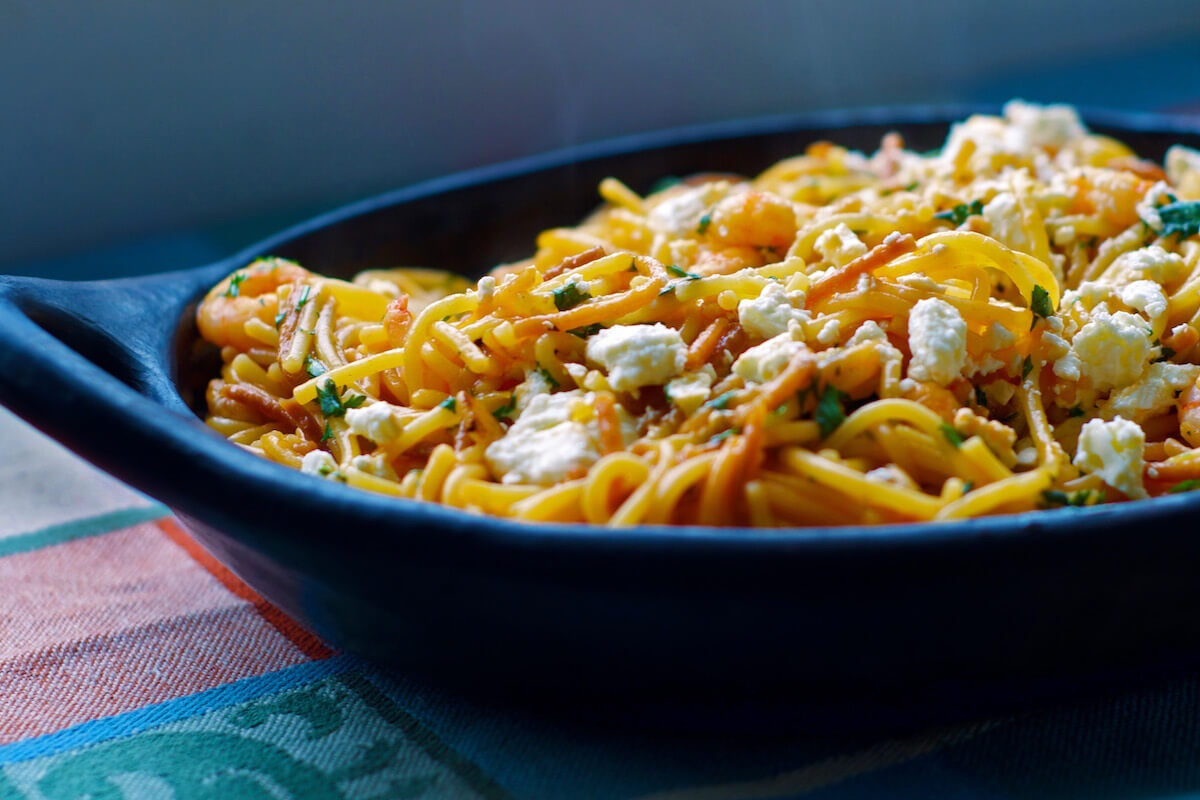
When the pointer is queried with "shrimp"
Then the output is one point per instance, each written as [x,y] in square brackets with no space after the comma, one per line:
[1111,193]
[754,219]
[1189,415]
[244,295]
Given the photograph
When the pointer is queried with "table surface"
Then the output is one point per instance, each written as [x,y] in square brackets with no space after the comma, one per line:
[133,665]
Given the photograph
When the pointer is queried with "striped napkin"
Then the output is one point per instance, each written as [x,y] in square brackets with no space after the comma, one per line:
[133,665]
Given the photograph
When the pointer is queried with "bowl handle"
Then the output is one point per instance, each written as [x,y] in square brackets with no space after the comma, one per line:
[91,338]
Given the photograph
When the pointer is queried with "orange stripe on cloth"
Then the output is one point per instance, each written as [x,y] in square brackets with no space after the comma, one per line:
[111,623]
[307,642]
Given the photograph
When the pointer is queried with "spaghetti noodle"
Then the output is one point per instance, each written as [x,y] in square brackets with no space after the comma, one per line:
[1008,324]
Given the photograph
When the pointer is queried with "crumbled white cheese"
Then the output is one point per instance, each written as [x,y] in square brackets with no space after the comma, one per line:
[840,246]
[1113,451]
[548,443]
[638,355]
[378,421]
[486,287]
[937,339]
[998,337]
[869,331]
[1154,393]
[1147,208]
[1087,295]
[1111,350]
[1148,263]
[1052,127]
[536,382]
[769,314]
[1064,235]
[919,280]
[375,464]
[890,475]
[829,332]
[319,463]
[1146,297]
[689,391]
[762,363]
[679,214]
[1003,212]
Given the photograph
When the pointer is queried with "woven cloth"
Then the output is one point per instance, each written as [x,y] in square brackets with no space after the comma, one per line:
[133,665]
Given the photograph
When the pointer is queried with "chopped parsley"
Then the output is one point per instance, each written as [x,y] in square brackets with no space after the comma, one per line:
[681,273]
[1167,354]
[1026,367]
[952,436]
[723,435]
[505,411]
[958,215]
[450,404]
[279,319]
[332,403]
[705,221]
[1053,498]
[968,486]
[545,373]
[830,412]
[1191,484]
[721,401]
[1076,411]
[980,396]
[569,296]
[325,437]
[1180,217]
[235,284]
[586,330]
[304,294]
[314,368]
[1040,305]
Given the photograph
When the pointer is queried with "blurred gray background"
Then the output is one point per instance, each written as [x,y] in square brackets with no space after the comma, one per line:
[138,136]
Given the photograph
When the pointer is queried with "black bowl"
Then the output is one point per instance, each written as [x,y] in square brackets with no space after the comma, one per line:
[109,369]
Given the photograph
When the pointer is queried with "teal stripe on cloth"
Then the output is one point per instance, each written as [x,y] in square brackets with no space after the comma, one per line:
[80,529]
[321,733]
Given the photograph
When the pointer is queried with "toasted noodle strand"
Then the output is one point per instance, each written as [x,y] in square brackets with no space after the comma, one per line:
[1009,324]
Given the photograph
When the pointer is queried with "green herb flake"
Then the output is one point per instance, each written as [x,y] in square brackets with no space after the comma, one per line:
[353,400]
[331,402]
[545,373]
[1054,498]
[1026,367]
[304,295]
[830,412]
[705,221]
[235,284]
[314,368]
[681,273]
[279,319]
[980,397]
[1167,354]
[505,411]
[952,436]
[569,296]
[1076,411]
[958,215]
[1040,305]
[450,404]
[968,486]
[325,437]
[587,330]
[1180,218]
[1191,484]
[721,401]
[723,435]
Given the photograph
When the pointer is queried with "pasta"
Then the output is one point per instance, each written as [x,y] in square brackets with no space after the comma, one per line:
[1004,325]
